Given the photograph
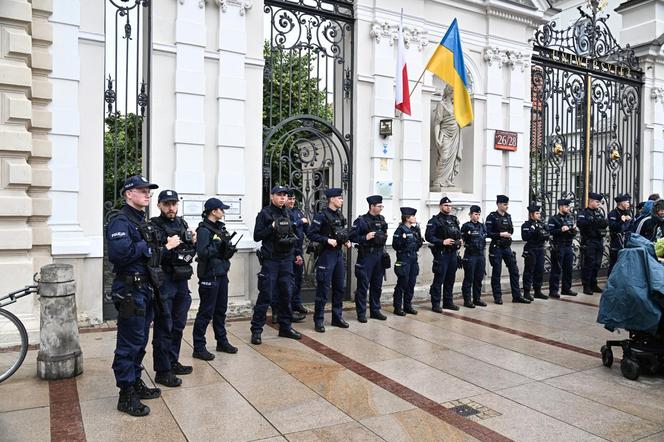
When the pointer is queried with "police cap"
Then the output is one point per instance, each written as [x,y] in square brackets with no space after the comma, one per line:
[374,199]
[408,211]
[564,202]
[279,189]
[622,198]
[475,209]
[333,192]
[502,199]
[532,207]
[137,182]
[595,196]
[215,203]
[444,200]
[168,195]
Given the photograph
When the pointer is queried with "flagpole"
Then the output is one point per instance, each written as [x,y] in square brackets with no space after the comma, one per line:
[417,82]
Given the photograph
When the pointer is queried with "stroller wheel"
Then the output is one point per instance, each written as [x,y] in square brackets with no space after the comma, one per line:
[607,356]
[630,369]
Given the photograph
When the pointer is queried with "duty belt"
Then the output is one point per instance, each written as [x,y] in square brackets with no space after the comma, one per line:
[370,250]
[134,278]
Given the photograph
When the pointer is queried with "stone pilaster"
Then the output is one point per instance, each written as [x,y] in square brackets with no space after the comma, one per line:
[657,147]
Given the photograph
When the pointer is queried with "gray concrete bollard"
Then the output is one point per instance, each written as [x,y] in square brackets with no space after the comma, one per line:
[60,353]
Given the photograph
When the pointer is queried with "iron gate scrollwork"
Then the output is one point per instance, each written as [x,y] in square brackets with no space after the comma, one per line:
[307,104]
[126,135]
[585,116]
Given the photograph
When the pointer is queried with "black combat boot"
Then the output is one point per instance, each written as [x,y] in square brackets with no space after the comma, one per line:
[129,402]
[182,369]
[144,392]
[226,347]
[526,295]
[410,310]
[168,379]
[399,311]
[539,294]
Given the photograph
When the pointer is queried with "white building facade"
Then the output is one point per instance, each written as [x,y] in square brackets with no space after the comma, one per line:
[205,105]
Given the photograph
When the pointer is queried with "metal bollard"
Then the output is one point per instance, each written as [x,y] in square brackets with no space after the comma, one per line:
[60,353]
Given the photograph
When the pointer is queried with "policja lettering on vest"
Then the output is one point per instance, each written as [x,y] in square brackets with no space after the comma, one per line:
[328,230]
[176,300]
[406,241]
[369,232]
[214,249]
[474,236]
[444,235]
[276,232]
[133,293]
[536,235]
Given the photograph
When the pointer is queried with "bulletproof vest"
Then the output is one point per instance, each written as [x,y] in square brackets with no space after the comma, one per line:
[284,238]
[448,227]
[600,223]
[568,221]
[477,238]
[182,255]
[335,227]
[540,234]
[378,225]
[504,224]
[417,233]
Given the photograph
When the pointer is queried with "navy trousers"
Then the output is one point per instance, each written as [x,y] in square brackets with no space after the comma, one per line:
[330,274]
[562,262]
[474,268]
[132,336]
[593,252]
[296,297]
[275,281]
[369,272]
[213,306]
[444,271]
[406,269]
[533,268]
[169,325]
[498,255]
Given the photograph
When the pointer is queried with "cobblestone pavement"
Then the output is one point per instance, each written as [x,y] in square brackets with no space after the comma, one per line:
[520,372]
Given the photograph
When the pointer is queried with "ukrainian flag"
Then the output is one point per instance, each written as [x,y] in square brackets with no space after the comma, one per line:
[447,63]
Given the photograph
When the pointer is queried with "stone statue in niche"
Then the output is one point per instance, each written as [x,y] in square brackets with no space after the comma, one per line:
[446,143]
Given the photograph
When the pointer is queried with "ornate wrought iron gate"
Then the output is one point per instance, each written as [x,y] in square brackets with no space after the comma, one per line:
[307,103]
[586,114]
[126,135]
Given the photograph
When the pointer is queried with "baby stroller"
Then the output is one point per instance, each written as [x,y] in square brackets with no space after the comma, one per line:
[633,300]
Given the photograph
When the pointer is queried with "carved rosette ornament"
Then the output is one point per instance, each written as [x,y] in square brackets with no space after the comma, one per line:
[657,94]
[495,55]
[519,60]
[244,5]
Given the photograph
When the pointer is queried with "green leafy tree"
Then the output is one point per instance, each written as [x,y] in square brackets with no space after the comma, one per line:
[290,87]
[123,154]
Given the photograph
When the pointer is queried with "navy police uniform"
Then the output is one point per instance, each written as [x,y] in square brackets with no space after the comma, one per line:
[276,232]
[474,263]
[175,295]
[500,251]
[133,294]
[536,235]
[369,268]
[330,270]
[445,258]
[406,241]
[592,224]
[214,249]
[617,229]
[562,252]
[301,229]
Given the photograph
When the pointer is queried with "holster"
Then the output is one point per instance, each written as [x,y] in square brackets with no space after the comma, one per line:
[386,261]
[261,257]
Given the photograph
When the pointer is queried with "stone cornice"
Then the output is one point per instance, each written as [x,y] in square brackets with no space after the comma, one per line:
[390,32]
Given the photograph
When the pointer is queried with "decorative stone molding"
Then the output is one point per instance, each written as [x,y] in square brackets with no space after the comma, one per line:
[390,32]
[518,60]
[201,3]
[493,54]
[657,94]
[380,30]
[243,4]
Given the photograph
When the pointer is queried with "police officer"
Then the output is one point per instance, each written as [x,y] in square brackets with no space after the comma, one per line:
[301,224]
[176,300]
[276,232]
[619,222]
[592,225]
[499,228]
[651,227]
[133,293]
[563,230]
[215,249]
[328,230]
[444,234]
[536,235]
[406,241]
[474,235]
[370,233]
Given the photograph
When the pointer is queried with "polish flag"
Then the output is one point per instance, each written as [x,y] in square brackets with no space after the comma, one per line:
[402,92]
